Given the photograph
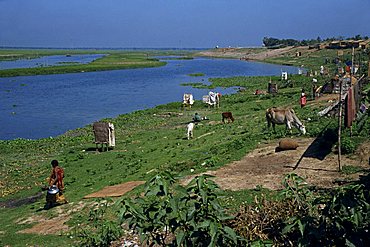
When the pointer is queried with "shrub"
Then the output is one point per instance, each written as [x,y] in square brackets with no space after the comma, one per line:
[171,215]
[338,217]
[347,146]
[99,230]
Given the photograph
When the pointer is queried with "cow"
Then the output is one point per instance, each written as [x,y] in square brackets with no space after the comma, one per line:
[285,116]
[190,130]
[227,115]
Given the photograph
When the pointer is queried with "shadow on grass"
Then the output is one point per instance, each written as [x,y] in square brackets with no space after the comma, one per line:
[14,203]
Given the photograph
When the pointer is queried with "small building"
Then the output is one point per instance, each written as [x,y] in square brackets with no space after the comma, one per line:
[364,44]
[345,44]
[334,45]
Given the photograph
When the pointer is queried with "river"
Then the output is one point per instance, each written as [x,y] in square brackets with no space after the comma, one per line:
[41,106]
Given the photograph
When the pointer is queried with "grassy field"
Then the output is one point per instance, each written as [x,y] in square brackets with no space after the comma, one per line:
[115,59]
[147,142]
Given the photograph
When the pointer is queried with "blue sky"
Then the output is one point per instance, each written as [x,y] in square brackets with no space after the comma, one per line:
[176,23]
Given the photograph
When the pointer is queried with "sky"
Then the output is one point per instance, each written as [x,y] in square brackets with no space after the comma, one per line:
[176,23]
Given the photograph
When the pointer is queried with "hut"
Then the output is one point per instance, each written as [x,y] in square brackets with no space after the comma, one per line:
[364,44]
[104,134]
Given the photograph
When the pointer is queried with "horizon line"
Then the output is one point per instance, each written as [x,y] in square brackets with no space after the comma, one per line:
[122,48]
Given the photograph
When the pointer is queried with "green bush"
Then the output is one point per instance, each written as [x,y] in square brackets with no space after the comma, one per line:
[347,146]
[339,217]
[98,230]
[306,217]
[169,215]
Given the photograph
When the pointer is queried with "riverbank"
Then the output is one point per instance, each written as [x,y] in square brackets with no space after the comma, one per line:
[149,142]
[300,56]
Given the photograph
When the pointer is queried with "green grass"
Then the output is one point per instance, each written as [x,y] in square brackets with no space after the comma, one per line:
[114,60]
[195,84]
[196,74]
[349,169]
[110,62]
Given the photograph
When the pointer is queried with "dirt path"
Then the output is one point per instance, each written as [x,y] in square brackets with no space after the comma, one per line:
[248,54]
[267,168]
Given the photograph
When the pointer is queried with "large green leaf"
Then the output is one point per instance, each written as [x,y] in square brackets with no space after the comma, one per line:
[180,236]
[230,234]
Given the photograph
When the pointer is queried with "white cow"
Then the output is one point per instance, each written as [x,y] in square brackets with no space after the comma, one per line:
[190,130]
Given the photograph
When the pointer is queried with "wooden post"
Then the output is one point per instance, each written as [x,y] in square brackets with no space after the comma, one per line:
[340,125]
[353,62]
[351,74]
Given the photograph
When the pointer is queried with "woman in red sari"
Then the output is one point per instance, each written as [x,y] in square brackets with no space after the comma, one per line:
[57,175]
[56,179]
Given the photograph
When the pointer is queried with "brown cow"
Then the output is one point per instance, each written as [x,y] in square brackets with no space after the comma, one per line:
[285,116]
[227,115]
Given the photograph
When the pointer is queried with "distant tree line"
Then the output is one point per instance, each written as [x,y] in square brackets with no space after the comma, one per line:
[274,42]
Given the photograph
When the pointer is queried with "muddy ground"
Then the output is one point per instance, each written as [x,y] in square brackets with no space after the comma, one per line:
[245,54]
[267,168]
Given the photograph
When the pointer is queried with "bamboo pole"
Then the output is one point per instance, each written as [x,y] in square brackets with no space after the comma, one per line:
[340,125]
[352,73]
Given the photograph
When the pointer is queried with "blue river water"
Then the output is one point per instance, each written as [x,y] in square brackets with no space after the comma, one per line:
[41,106]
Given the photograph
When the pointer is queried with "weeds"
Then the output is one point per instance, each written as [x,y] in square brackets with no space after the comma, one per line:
[99,229]
[179,216]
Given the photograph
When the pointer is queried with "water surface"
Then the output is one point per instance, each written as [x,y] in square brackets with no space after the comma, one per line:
[48,105]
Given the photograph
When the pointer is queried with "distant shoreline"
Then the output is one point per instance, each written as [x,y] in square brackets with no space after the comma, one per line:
[105,48]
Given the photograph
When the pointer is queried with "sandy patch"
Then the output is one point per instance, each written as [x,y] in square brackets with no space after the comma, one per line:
[267,168]
[115,190]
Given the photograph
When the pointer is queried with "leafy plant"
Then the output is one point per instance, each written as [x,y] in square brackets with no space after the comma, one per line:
[170,215]
[337,218]
[347,146]
[99,230]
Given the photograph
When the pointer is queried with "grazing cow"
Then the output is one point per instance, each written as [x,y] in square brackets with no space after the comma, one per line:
[227,115]
[190,130]
[285,116]
[188,100]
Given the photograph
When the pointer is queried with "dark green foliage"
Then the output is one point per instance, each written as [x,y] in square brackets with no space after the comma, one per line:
[170,215]
[338,217]
[195,84]
[305,217]
[347,146]
[196,74]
